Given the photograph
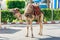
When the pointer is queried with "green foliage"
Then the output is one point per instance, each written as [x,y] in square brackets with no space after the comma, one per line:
[47,14]
[56,15]
[16,0]
[21,11]
[15,4]
[9,17]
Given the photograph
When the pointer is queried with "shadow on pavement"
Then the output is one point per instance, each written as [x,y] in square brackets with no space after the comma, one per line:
[4,38]
[9,31]
[50,38]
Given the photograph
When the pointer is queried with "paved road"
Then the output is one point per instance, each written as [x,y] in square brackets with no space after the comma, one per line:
[18,32]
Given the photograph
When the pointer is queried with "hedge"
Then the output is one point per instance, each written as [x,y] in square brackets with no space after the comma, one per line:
[15,4]
[48,14]
[9,17]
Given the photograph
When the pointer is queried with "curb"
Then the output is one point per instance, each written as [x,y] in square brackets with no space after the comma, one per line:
[48,22]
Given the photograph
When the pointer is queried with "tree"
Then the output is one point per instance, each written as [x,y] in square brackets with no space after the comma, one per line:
[30,1]
[48,3]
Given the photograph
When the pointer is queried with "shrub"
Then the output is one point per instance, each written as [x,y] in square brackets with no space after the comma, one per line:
[15,4]
[22,11]
[47,14]
[56,15]
[9,17]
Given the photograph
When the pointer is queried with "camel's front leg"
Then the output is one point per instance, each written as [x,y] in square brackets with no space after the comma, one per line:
[31,28]
[0,25]
[41,24]
[27,28]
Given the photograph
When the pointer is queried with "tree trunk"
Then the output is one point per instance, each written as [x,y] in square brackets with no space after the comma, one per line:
[0,14]
[48,3]
[30,1]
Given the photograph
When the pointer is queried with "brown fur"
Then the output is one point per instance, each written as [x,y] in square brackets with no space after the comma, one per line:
[29,14]
[17,13]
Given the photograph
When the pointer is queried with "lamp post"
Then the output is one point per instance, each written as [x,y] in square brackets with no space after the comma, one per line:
[0,13]
[48,3]
[52,20]
[52,9]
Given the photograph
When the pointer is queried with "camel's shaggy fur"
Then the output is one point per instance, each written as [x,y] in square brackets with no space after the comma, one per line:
[30,16]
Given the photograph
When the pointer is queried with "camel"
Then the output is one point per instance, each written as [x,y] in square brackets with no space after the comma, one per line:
[32,12]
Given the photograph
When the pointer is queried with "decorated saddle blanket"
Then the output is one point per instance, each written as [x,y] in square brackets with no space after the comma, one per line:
[37,10]
[32,10]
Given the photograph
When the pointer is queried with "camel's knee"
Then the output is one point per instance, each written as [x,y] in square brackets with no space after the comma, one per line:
[41,22]
[27,27]
[31,28]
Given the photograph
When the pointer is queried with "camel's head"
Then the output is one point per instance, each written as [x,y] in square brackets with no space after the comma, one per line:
[14,10]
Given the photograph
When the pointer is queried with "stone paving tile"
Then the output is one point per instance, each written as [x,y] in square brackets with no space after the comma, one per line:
[18,32]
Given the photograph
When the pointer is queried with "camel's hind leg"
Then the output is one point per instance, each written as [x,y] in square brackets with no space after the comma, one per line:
[41,24]
[27,27]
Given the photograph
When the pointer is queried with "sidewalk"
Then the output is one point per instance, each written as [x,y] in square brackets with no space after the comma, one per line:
[18,32]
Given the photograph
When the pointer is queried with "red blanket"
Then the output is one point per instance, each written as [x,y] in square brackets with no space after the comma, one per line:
[36,10]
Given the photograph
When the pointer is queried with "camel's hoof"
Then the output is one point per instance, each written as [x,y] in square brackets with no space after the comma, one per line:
[40,34]
[26,36]
[32,37]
